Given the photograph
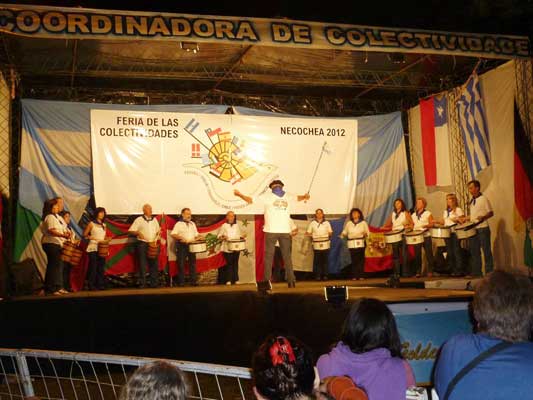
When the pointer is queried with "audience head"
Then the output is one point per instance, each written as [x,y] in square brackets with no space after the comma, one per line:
[283,369]
[503,306]
[155,381]
[371,325]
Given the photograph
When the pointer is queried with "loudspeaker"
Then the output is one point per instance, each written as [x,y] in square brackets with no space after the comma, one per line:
[25,278]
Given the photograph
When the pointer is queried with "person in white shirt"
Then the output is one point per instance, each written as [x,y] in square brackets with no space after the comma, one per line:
[277,211]
[399,219]
[54,235]
[185,232]
[356,227]
[320,229]
[146,228]
[71,238]
[451,217]
[480,212]
[423,219]
[95,232]
[230,230]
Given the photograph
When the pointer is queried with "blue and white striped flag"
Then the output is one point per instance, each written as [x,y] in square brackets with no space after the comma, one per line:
[473,125]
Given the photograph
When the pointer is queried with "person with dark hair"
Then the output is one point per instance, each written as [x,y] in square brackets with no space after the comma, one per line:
[146,228]
[399,220]
[423,219]
[54,235]
[480,212]
[71,238]
[496,362]
[283,369]
[185,232]
[369,352]
[320,229]
[230,231]
[277,228]
[95,232]
[156,381]
[356,228]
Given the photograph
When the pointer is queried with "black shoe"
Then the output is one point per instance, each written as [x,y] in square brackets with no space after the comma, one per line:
[317,278]
[195,284]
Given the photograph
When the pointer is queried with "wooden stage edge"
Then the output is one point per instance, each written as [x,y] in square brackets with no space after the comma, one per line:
[363,288]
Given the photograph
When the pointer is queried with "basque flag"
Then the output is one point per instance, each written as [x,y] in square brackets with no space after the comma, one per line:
[435,146]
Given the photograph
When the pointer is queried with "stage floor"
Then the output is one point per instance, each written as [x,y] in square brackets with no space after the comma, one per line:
[412,289]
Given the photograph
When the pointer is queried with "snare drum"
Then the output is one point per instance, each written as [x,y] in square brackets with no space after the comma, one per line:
[236,245]
[153,249]
[466,230]
[321,244]
[441,232]
[415,237]
[198,247]
[393,236]
[103,248]
[67,250]
[356,243]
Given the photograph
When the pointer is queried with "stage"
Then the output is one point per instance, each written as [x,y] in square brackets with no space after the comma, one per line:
[216,324]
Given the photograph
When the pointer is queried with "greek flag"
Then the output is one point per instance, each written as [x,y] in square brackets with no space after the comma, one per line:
[473,125]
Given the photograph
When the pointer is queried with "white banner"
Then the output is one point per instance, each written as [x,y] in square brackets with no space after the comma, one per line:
[176,160]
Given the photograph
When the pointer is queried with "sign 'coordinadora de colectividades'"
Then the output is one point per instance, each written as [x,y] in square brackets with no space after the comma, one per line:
[76,23]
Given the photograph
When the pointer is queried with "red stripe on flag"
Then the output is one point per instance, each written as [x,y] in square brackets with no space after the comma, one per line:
[523,190]
[427,122]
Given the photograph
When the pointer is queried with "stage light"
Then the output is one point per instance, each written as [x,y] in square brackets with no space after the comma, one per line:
[190,46]
[264,287]
[336,295]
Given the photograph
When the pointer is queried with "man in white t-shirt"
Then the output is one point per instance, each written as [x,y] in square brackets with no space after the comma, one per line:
[185,232]
[480,212]
[277,226]
[146,229]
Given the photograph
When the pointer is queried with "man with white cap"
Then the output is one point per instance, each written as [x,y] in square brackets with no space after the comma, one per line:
[277,226]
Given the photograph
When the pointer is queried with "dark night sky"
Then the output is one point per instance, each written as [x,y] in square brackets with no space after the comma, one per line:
[484,16]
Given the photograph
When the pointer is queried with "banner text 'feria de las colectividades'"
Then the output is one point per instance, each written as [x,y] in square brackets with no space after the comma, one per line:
[55,22]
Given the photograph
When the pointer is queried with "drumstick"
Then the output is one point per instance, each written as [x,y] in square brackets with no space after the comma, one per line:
[322,151]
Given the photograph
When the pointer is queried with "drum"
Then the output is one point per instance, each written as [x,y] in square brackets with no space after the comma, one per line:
[153,249]
[198,247]
[321,244]
[356,243]
[75,258]
[415,237]
[236,245]
[466,230]
[67,250]
[393,236]
[441,232]
[103,248]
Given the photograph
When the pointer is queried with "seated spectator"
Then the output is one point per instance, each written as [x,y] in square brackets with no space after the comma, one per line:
[156,381]
[370,353]
[283,368]
[503,313]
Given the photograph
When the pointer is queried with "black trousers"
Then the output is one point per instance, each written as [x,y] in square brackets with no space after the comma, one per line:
[232,267]
[320,263]
[142,257]
[184,254]
[357,269]
[428,248]
[53,280]
[399,258]
[96,271]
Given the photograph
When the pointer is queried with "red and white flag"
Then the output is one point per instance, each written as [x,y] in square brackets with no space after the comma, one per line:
[435,144]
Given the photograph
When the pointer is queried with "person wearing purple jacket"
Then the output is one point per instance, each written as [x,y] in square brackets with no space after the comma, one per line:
[370,353]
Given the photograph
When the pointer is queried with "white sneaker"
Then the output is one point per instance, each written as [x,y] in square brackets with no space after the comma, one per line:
[228,283]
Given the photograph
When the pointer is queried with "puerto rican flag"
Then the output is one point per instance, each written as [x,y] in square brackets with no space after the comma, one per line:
[435,145]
